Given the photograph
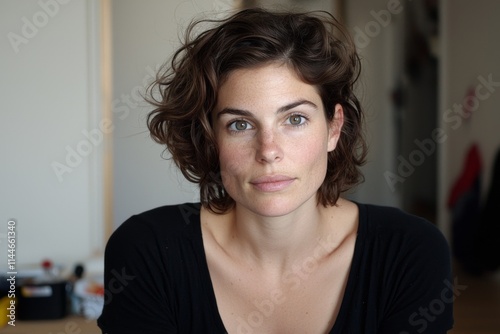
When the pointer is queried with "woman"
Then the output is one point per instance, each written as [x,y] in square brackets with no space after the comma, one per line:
[259,110]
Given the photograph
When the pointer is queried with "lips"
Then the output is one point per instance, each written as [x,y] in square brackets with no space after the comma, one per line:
[272,183]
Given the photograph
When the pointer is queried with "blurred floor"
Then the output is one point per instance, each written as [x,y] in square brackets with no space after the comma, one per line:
[477,308]
[68,325]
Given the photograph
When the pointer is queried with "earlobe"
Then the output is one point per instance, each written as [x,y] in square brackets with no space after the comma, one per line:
[335,127]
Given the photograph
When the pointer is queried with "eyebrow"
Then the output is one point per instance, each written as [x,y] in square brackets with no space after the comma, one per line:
[246,113]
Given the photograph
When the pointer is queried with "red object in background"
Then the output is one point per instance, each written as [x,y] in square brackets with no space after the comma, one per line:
[47,264]
[471,169]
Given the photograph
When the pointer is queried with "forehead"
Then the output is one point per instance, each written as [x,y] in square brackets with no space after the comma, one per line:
[272,68]
[265,84]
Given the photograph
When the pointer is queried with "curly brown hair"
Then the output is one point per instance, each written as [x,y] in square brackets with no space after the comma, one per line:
[185,91]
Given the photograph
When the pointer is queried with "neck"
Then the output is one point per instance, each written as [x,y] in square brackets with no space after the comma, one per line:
[275,243]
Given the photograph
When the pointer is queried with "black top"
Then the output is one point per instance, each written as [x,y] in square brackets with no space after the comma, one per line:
[157,278]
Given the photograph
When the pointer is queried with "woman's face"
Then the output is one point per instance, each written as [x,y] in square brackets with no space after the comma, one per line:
[273,139]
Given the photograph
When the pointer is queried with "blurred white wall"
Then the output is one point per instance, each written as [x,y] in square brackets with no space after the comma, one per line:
[51,144]
[145,35]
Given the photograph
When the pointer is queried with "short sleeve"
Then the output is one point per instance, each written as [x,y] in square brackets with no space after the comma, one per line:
[136,282]
[421,286]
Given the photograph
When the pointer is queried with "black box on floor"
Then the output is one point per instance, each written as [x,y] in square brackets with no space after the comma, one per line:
[42,301]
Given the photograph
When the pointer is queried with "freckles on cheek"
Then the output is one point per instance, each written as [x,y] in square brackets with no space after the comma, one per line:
[230,163]
[318,158]
[315,149]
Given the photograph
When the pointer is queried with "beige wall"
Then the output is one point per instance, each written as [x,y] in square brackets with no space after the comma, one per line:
[380,66]
[49,100]
[470,50]
[145,35]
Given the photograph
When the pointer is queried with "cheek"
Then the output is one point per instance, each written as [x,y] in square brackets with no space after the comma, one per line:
[232,160]
[316,158]
[316,149]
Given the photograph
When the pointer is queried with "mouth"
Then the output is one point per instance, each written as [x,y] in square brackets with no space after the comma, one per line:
[272,183]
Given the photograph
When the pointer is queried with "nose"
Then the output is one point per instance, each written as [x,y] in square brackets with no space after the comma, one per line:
[269,149]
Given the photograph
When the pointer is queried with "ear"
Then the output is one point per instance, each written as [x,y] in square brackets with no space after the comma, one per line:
[335,127]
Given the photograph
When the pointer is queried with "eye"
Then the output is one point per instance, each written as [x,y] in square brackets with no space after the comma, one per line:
[296,120]
[239,125]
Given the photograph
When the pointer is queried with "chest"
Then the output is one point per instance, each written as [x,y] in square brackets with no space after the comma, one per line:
[305,299]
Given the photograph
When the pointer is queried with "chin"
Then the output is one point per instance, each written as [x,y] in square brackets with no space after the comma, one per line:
[278,207]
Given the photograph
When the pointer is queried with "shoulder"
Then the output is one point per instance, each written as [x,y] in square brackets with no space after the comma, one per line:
[398,238]
[160,224]
[144,262]
[408,259]
[161,219]
[390,223]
